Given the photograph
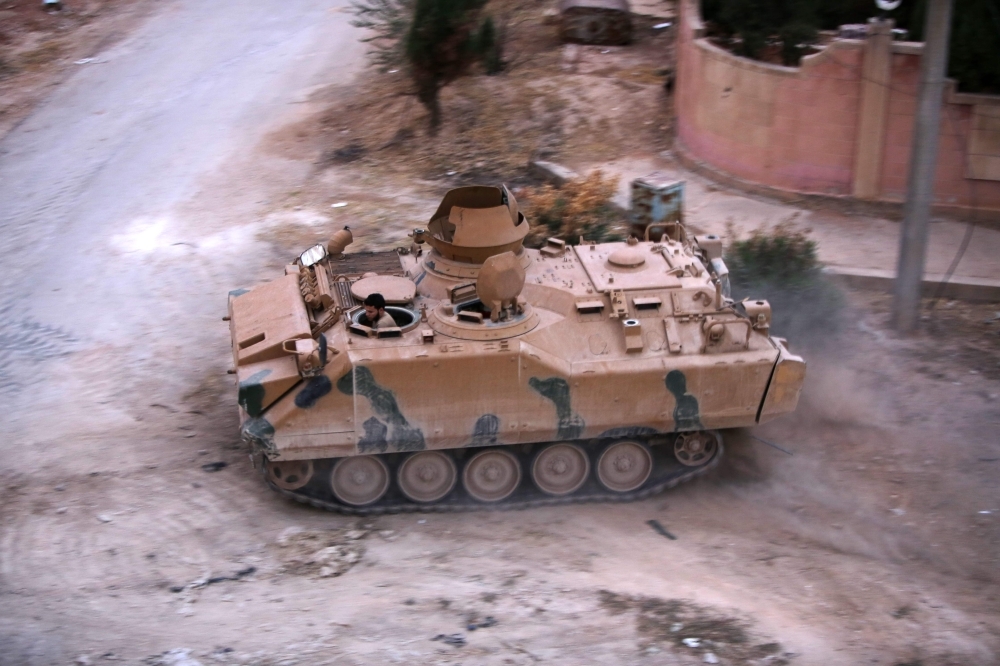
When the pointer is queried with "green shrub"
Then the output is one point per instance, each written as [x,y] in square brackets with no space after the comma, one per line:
[435,41]
[781,265]
[783,254]
[439,47]
[489,45]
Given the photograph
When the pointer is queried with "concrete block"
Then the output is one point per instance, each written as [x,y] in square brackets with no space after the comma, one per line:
[959,288]
[551,172]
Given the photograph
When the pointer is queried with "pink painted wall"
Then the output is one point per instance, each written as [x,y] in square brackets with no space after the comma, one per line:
[951,186]
[796,128]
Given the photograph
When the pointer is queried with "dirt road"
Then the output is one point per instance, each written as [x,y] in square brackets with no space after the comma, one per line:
[103,247]
[139,194]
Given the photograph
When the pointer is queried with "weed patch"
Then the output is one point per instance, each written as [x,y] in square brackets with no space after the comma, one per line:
[45,53]
[691,628]
[581,208]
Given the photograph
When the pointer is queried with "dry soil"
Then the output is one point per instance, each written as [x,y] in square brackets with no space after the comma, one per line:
[133,528]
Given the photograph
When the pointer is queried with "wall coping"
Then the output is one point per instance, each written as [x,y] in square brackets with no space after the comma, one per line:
[908,48]
[952,96]
[744,63]
[808,61]
[827,51]
[889,209]
[692,15]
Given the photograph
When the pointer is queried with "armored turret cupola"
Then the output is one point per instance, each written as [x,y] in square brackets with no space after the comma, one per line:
[473,224]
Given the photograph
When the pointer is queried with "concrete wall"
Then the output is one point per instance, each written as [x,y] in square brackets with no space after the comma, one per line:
[840,124]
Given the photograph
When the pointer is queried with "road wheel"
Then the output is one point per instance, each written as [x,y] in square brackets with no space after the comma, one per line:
[359,480]
[427,476]
[624,466]
[560,469]
[492,475]
[694,449]
[290,474]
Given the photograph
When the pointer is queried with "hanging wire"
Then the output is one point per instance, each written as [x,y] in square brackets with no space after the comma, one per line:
[973,209]
[962,141]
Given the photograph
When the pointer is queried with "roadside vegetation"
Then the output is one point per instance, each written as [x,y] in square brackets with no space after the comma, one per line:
[581,208]
[521,93]
[433,41]
[782,266]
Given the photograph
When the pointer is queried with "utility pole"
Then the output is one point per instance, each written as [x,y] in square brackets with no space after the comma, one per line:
[923,160]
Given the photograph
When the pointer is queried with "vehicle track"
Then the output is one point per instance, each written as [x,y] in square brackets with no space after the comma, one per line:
[24,342]
[667,473]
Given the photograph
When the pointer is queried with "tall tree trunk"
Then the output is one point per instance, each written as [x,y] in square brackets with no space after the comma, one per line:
[428,96]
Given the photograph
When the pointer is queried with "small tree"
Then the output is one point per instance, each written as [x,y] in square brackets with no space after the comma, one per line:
[439,47]
[435,41]
[489,45]
[389,20]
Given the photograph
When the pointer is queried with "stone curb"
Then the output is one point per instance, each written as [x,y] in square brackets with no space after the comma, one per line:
[551,172]
[958,288]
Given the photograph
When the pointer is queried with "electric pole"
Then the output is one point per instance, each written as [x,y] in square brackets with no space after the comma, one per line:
[923,160]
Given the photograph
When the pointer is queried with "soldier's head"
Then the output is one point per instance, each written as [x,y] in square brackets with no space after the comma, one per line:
[374,306]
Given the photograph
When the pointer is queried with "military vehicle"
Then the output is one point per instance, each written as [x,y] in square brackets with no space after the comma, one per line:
[514,377]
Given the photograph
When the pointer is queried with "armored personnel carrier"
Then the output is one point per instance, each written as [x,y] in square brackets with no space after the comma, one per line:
[513,377]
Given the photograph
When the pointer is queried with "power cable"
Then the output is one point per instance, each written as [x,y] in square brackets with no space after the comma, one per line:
[971,226]
[961,139]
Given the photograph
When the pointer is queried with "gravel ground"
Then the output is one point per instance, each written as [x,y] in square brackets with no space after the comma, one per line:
[140,191]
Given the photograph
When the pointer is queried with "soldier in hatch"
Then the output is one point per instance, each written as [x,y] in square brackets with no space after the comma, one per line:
[375,314]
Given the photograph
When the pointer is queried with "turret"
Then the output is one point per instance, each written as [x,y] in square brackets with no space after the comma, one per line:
[473,224]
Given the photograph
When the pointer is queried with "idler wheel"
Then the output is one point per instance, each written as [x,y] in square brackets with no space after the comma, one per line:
[694,449]
[492,475]
[359,480]
[427,476]
[560,469]
[290,474]
[624,466]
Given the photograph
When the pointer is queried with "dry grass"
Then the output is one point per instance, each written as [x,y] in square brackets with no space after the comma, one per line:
[42,55]
[580,209]
[572,104]
[6,69]
[595,105]
[491,124]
